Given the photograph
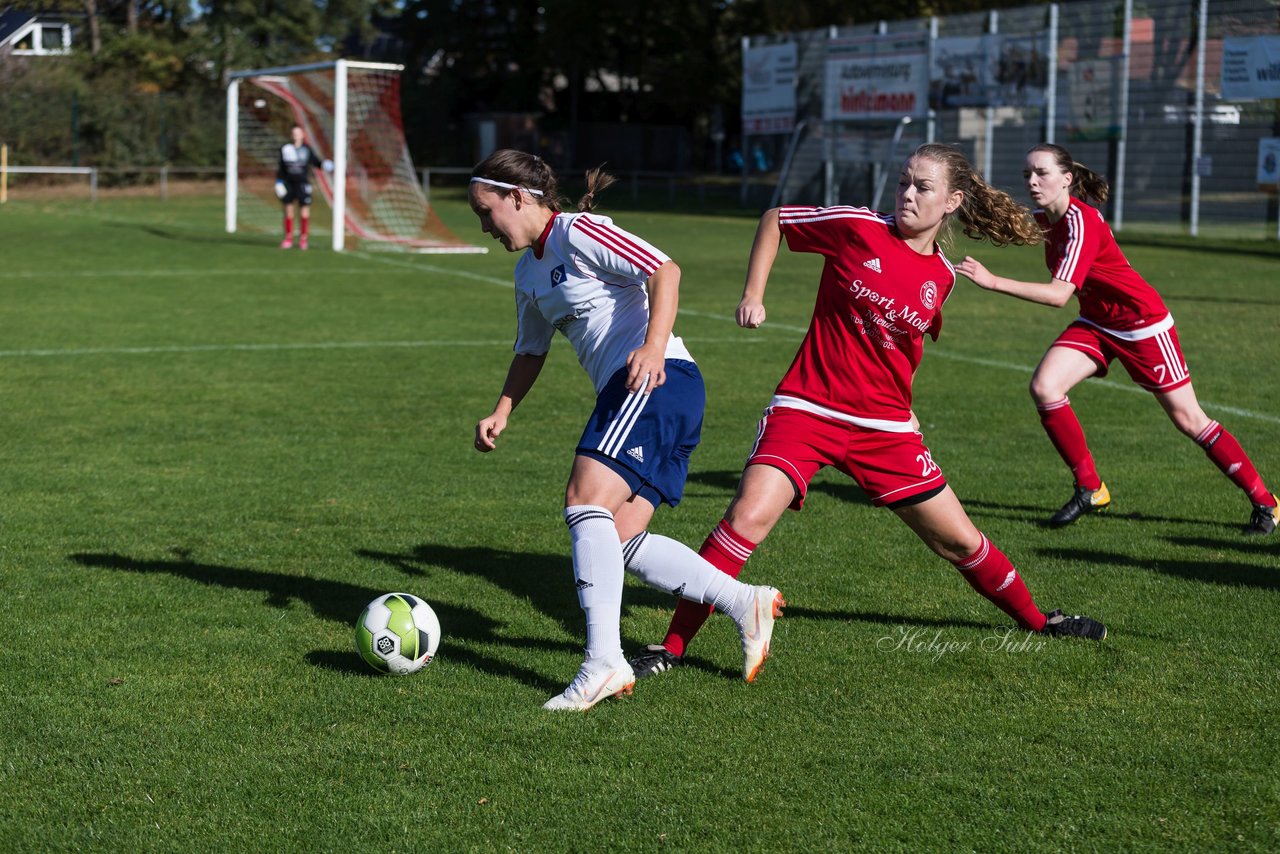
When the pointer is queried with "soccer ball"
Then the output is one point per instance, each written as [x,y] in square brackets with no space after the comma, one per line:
[397,633]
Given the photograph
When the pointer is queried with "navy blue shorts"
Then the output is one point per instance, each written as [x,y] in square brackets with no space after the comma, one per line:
[648,438]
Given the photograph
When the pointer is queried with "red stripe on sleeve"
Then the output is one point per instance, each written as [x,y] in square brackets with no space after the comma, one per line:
[616,241]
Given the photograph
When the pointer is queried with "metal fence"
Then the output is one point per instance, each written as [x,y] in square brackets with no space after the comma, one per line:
[1136,96]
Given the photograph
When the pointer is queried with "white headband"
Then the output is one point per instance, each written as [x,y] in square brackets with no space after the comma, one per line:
[505,186]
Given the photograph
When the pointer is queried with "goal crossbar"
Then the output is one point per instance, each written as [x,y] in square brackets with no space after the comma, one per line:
[313,66]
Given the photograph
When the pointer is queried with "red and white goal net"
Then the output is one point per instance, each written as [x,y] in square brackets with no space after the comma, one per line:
[350,112]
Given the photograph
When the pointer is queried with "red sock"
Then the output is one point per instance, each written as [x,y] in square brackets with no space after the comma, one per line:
[727,551]
[306,225]
[1226,453]
[288,227]
[989,572]
[1066,434]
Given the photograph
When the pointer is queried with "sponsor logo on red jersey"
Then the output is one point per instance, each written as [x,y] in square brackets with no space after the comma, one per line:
[929,295]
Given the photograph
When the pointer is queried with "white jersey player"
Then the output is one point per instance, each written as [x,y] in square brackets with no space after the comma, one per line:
[614,297]
[586,277]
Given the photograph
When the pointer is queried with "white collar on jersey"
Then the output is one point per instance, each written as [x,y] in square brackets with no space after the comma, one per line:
[504,185]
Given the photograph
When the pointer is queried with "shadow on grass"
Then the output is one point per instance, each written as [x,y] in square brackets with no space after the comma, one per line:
[1039,515]
[342,602]
[544,580]
[845,490]
[1201,245]
[341,661]
[1210,572]
[802,613]
[1177,298]
[1267,547]
[220,237]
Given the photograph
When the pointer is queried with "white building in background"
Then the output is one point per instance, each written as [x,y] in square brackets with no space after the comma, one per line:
[32,34]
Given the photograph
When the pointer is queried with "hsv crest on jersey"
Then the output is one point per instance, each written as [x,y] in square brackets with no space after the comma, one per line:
[874,264]
[929,295]
[557,276]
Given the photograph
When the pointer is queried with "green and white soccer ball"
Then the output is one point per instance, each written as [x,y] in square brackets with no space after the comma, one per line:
[397,633]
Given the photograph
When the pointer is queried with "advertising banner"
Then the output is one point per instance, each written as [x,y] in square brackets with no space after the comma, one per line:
[769,89]
[1250,68]
[876,77]
[989,71]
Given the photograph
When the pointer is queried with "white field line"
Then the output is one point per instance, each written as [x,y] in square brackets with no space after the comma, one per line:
[164,274]
[1022,369]
[507,283]
[246,348]
[268,347]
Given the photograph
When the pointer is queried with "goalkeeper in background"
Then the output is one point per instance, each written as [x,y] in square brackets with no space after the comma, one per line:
[293,183]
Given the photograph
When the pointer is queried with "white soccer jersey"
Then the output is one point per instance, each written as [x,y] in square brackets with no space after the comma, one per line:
[586,277]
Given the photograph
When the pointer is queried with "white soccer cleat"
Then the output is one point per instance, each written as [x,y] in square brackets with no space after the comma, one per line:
[287,243]
[756,628]
[591,686]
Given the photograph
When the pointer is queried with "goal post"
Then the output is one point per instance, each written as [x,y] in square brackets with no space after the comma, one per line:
[350,112]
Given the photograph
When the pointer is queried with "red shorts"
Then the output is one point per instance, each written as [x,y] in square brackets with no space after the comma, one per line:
[890,467]
[1155,363]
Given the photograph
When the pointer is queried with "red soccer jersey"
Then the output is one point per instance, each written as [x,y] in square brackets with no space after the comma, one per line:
[877,299]
[1080,249]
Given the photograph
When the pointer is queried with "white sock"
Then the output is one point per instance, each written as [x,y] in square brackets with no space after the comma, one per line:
[670,565]
[597,571]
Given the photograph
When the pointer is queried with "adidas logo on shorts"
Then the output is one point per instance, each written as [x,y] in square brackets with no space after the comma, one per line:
[873,264]
[636,453]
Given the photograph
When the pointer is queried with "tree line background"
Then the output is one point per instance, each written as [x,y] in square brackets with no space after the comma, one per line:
[145,82]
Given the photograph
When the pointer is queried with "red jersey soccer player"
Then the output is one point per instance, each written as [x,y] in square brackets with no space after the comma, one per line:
[846,399]
[1121,317]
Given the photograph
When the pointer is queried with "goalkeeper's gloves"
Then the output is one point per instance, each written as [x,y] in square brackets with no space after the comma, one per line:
[327,165]
[281,192]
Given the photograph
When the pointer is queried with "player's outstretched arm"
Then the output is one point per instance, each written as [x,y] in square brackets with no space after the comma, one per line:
[521,376]
[764,251]
[650,359]
[1054,293]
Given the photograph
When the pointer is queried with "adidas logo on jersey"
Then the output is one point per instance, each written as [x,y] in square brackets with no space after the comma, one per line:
[873,264]
[636,453]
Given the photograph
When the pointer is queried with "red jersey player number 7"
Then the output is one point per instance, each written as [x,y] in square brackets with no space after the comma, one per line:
[1122,318]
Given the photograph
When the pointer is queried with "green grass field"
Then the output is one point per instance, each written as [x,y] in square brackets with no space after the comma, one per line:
[216,453]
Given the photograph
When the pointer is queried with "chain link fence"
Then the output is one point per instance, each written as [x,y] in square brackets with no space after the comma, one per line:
[1132,89]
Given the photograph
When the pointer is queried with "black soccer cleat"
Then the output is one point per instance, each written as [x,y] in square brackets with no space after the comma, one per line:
[1263,522]
[1084,501]
[654,660]
[1059,625]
